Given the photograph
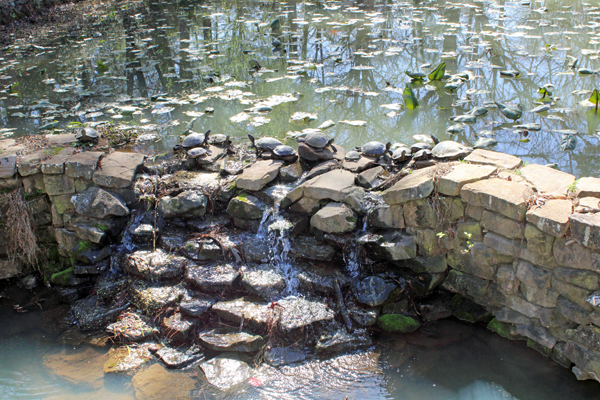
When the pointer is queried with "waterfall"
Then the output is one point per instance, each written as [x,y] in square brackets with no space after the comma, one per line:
[352,257]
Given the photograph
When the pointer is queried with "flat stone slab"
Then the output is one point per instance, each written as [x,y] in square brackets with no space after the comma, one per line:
[259,174]
[360,165]
[8,165]
[214,153]
[586,229]
[548,180]
[83,165]
[334,218]
[332,185]
[552,217]
[415,186]
[494,158]
[118,169]
[61,140]
[30,163]
[56,164]
[588,187]
[462,174]
[505,197]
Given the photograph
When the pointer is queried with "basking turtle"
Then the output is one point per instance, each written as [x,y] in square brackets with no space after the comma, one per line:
[420,155]
[450,150]
[317,140]
[401,154]
[197,152]
[192,140]
[375,149]
[87,135]
[352,155]
[220,140]
[285,153]
[264,144]
[420,146]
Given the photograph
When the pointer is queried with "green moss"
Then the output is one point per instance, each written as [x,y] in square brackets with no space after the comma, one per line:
[501,328]
[539,348]
[102,227]
[83,246]
[398,323]
[61,278]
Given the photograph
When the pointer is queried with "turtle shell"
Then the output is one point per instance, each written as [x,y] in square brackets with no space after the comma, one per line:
[373,149]
[219,139]
[450,150]
[352,155]
[196,152]
[401,154]
[87,135]
[422,155]
[317,140]
[420,146]
[267,143]
[284,151]
[192,140]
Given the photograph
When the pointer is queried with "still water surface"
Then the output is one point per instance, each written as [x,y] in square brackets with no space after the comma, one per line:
[342,61]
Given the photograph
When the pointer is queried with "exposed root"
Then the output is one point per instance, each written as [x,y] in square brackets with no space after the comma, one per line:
[21,240]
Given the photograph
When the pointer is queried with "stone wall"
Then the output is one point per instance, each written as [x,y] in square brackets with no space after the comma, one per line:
[80,197]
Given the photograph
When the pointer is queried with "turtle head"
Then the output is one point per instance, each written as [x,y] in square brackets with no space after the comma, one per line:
[435,140]
[206,136]
[251,140]
[388,146]
[330,142]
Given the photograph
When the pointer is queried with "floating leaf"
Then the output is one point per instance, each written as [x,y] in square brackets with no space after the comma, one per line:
[100,66]
[595,98]
[438,73]
[275,24]
[544,92]
[410,100]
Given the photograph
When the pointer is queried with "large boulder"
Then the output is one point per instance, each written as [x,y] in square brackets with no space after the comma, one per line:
[246,206]
[334,218]
[154,265]
[188,203]
[373,290]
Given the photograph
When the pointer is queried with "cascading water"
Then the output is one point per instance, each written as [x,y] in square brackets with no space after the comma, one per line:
[276,229]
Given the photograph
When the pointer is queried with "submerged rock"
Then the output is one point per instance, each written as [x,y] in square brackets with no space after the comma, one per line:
[132,327]
[341,340]
[230,340]
[226,371]
[158,383]
[279,356]
[126,359]
[91,313]
[82,368]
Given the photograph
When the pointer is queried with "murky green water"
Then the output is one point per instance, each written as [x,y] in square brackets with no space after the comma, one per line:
[466,363]
[338,60]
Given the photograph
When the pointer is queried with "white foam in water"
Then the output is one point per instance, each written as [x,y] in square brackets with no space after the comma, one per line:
[127,244]
[351,259]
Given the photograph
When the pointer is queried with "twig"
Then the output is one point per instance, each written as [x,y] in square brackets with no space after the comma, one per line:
[343,310]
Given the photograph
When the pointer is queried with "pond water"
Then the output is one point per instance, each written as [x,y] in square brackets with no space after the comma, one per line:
[465,363]
[342,61]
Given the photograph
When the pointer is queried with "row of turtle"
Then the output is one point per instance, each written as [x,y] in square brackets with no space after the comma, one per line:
[195,143]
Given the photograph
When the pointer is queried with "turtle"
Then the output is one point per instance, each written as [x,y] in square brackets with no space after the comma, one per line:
[375,149]
[450,150]
[87,135]
[401,154]
[265,143]
[285,153]
[477,111]
[466,118]
[510,111]
[420,146]
[220,140]
[197,152]
[352,155]
[192,140]
[317,140]
[420,155]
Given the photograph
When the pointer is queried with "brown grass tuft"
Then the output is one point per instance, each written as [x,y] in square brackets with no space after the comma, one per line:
[21,240]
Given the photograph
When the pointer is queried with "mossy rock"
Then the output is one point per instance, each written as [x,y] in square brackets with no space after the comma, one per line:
[62,277]
[398,323]
[501,328]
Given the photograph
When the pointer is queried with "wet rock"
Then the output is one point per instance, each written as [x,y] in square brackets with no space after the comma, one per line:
[291,172]
[322,168]
[126,359]
[363,316]
[98,203]
[465,284]
[487,157]
[320,279]
[263,282]
[212,277]
[225,371]
[373,290]
[392,246]
[229,340]
[342,341]
[414,186]
[246,206]
[189,204]
[309,247]
[279,356]
[202,250]
[118,169]
[256,250]
[552,217]
[435,310]
[196,304]
[110,285]
[258,175]
[572,311]
[132,327]
[387,217]
[334,218]
[310,154]
[81,368]
[180,357]
[587,361]
[91,313]
[158,383]
[152,298]
[154,265]
[398,323]
[177,327]
[505,197]
[538,334]
[144,234]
